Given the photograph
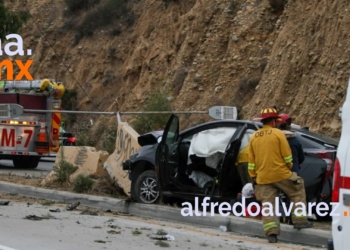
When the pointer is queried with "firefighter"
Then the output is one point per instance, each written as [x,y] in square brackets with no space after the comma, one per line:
[270,163]
[242,165]
[284,124]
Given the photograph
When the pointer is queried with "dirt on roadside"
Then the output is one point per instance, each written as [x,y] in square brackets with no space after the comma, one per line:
[103,186]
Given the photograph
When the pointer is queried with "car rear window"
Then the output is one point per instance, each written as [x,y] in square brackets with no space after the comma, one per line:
[315,140]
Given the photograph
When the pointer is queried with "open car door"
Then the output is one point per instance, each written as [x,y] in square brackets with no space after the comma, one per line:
[229,160]
[170,136]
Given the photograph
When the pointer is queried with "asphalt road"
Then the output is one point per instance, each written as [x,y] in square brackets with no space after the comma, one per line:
[45,167]
[77,231]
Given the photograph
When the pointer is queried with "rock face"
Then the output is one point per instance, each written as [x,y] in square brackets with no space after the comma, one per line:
[205,53]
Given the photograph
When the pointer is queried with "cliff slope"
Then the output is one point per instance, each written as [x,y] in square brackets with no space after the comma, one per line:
[202,52]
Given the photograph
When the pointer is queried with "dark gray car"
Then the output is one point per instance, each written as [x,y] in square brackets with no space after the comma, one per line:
[153,167]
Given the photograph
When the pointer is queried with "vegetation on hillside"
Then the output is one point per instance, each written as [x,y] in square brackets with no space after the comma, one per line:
[99,14]
[149,122]
[11,22]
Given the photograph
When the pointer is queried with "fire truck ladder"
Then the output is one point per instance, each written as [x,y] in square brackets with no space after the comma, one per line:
[11,86]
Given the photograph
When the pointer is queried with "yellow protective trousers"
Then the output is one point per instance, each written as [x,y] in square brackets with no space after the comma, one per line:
[293,187]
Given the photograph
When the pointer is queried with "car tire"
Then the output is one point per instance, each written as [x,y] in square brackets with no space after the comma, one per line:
[30,162]
[144,189]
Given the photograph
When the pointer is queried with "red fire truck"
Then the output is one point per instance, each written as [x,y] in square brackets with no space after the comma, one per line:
[34,133]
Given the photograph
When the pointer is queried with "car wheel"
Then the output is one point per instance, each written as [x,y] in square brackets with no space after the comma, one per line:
[26,162]
[145,188]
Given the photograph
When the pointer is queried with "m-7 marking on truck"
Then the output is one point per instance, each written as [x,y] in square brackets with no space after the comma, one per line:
[8,139]
[30,133]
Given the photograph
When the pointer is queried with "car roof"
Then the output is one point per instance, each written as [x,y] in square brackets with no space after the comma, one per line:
[316,138]
[325,138]
[302,131]
[222,122]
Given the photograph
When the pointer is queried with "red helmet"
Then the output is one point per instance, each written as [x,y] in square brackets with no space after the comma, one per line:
[269,113]
[284,118]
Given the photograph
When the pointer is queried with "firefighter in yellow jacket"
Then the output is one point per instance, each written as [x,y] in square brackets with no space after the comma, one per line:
[242,165]
[270,163]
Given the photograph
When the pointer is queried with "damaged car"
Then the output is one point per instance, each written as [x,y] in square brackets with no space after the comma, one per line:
[200,162]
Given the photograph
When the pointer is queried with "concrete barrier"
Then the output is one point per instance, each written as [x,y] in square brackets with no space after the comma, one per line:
[126,145]
[87,159]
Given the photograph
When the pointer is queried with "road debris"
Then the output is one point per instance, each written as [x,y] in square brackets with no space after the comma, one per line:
[123,214]
[223,228]
[165,237]
[35,217]
[161,232]
[113,232]
[100,241]
[136,232]
[57,210]
[71,207]
[114,226]
[4,203]
[89,212]
[162,244]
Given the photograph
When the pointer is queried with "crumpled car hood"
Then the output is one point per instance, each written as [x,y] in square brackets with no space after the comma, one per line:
[150,138]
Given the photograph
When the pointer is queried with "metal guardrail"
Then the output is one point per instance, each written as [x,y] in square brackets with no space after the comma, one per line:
[216,112]
[114,113]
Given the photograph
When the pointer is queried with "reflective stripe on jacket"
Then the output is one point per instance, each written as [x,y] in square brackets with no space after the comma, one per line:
[270,157]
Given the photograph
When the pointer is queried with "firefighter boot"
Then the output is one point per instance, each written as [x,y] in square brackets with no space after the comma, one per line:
[302,226]
[272,238]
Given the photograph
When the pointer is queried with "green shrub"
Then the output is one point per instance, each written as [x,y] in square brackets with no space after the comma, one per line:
[233,6]
[115,32]
[64,169]
[76,5]
[166,2]
[129,18]
[246,86]
[84,139]
[69,102]
[11,22]
[109,137]
[147,122]
[101,16]
[278,5]
[82,183]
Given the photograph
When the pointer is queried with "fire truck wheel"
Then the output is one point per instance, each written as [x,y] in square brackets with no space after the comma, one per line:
[26,161]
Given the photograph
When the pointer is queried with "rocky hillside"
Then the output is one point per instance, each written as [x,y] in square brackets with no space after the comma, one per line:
[248,53]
